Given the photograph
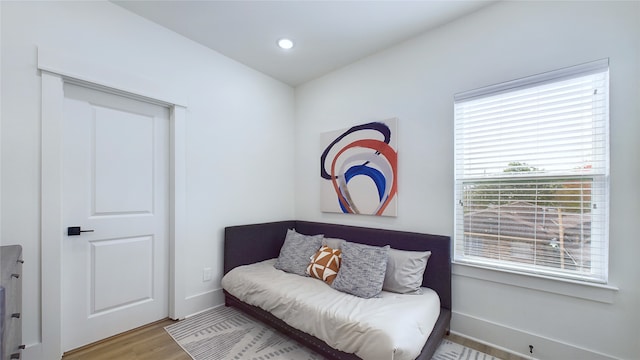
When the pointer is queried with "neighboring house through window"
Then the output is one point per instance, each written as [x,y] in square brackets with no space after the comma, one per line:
[532,174]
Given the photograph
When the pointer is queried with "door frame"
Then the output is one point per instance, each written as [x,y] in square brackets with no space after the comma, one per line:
[56,70]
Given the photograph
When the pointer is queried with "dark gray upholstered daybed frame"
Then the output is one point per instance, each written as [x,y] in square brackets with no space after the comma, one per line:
[248,244]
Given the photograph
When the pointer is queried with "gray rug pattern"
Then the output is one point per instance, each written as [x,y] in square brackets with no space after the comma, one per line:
[448,350]
[225,333]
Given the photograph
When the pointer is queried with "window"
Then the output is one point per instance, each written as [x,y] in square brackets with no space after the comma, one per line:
[532,174]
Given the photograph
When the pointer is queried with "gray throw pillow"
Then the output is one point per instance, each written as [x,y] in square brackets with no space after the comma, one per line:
[296,252]
[405,270]
[362,270]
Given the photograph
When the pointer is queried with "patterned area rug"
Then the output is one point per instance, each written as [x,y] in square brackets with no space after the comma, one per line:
[225,333]
[449,350]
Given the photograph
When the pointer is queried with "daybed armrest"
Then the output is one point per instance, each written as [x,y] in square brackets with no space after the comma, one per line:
[259,242]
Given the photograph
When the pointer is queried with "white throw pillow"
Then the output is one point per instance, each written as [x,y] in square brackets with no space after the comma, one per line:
[405,270]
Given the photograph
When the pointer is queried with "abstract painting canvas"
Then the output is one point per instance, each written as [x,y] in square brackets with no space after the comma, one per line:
[359,169]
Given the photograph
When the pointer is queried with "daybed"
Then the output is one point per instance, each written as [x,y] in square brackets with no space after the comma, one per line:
[257,243]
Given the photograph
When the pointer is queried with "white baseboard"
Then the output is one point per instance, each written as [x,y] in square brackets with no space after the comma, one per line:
[198,303]
[517,342]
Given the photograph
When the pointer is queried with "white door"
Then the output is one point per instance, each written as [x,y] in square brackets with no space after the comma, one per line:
[115,188]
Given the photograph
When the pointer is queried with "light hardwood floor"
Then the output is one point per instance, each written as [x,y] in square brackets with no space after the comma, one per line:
[151,342]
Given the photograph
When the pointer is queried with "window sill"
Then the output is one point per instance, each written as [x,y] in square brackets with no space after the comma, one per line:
[582,290]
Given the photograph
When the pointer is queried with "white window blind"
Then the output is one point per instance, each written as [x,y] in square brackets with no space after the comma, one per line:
[532,174]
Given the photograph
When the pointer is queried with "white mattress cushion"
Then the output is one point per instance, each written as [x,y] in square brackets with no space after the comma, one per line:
[391,327]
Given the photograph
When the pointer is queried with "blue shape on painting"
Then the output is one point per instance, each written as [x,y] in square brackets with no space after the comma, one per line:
[374,174]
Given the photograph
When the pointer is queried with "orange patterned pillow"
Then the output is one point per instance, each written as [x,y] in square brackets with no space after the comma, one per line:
[325,264]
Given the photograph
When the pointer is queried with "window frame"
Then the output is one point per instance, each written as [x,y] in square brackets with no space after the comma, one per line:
[601,196]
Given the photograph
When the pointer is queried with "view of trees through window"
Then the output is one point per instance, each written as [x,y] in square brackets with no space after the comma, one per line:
[529,218]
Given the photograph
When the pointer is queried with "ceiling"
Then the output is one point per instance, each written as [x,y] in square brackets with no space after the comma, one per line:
[327,34]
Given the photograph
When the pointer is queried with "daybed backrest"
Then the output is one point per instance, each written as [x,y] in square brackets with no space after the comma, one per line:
[247,244]
[438,273]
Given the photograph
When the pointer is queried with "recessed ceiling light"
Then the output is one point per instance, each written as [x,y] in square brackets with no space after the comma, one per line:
[285,44]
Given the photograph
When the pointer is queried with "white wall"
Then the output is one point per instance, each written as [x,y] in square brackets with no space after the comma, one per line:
[239,131]
[415,81]
[240,153]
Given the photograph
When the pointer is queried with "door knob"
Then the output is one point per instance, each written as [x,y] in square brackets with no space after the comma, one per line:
[75,230]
